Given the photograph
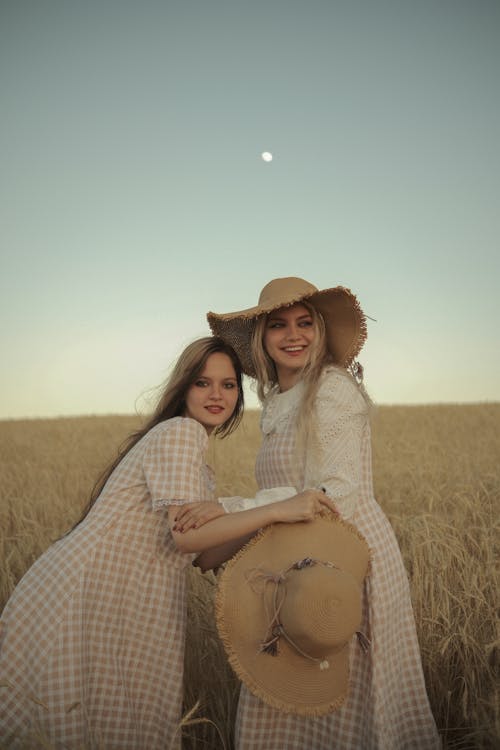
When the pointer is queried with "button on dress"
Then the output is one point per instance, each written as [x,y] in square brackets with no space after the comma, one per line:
[387,707]
[92,638]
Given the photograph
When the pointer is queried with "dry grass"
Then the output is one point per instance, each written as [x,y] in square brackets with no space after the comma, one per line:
[437,476]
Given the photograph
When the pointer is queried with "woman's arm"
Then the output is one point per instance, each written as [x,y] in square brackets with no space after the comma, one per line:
[231,526]
[194,515]
[335,463]
[216,556]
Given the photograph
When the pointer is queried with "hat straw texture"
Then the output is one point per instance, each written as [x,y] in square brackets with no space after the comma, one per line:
[288,605]
[345,322]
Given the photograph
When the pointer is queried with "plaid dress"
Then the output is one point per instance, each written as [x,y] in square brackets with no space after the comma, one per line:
[387,706]
[92,638]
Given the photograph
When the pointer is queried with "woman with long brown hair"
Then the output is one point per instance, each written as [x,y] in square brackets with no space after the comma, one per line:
[92,638]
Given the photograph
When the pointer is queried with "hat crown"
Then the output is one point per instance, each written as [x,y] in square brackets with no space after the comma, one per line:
[321,610]
[281,292]
[290,652]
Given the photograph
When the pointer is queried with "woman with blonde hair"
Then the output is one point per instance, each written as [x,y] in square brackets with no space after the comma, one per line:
[301,346]
[92,638]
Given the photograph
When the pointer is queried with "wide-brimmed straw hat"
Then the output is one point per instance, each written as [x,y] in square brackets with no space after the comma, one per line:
[287,607]
[345,321]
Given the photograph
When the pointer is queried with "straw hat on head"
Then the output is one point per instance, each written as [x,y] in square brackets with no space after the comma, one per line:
[345,322]
[287,607]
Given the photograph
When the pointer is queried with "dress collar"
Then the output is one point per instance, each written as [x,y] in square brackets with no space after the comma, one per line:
[279,405]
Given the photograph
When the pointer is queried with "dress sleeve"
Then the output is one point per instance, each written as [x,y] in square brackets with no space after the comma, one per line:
[174,461]
[263,497]
[334,461]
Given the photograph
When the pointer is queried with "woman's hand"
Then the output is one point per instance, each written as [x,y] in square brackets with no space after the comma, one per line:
[303,507]
[194,515]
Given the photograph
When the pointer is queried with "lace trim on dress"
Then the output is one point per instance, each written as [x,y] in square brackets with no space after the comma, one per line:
[165,503]
[209,476]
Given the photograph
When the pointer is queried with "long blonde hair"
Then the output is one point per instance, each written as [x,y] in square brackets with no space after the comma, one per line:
[172,402]
[267,377]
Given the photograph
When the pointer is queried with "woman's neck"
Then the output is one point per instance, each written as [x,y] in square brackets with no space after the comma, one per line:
[288,379]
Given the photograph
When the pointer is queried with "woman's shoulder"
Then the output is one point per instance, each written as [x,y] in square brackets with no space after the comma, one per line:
[333,376]
[337,385]
[180,428]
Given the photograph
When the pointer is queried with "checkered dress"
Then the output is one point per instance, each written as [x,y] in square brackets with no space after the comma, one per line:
[92,639]
[387,706]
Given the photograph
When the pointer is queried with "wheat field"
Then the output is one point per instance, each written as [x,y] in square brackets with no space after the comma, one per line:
[437,476]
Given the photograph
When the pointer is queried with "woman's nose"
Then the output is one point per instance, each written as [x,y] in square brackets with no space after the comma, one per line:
[293,332]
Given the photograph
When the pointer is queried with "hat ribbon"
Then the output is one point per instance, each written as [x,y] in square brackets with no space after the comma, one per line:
[357,371]
[275,628]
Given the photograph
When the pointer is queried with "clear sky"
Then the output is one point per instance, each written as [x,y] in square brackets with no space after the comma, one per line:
[133,197]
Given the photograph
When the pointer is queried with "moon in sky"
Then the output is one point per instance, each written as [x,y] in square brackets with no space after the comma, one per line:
[266,156]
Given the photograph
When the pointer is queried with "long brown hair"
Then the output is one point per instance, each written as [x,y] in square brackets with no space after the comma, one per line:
[172,402]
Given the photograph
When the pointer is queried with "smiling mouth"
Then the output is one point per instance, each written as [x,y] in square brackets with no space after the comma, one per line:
[214,409]
[293,349]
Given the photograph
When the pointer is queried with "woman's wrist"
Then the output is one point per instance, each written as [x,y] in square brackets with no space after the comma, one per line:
[275,511]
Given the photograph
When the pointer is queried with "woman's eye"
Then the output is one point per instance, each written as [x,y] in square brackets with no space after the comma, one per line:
[201,383]
[306,323]
[230,385]
[275,325]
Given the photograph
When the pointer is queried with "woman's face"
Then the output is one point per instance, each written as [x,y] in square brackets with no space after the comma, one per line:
[212,398]
[288,336]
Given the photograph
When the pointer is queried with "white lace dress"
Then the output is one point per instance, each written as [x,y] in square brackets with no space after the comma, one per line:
[387,706]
